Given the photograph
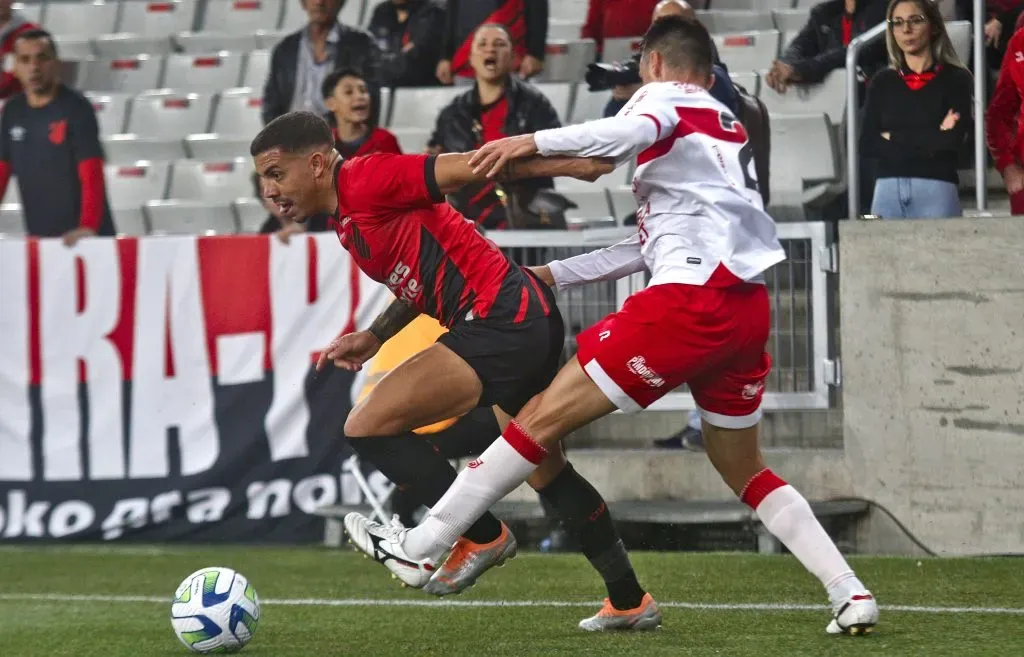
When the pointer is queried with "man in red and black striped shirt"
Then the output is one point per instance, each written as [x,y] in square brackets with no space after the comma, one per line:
[503,346]
[49,140]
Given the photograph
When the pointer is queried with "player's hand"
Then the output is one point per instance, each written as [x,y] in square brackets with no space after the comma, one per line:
[492,156]
[443,72]
[1013,176]
[530,66]
[72,236]
[349,351]
[543,272]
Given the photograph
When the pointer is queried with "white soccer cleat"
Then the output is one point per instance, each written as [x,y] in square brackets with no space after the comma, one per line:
[857,614]
[384,543]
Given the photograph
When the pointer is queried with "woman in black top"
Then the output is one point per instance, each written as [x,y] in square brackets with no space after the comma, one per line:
[918,116]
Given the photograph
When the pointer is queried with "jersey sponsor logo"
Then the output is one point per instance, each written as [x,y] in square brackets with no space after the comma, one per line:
[17,133]
[58,131]
[752,390]
[402,285]
[474,464]
[638,365]
[604,335]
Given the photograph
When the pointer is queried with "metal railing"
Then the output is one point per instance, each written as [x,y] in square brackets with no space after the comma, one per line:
[854,49]
[803,368]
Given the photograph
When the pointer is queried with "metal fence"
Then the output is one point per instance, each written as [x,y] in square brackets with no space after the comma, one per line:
[804,367]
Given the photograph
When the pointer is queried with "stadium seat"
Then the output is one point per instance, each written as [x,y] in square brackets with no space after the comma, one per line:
[131,185]
[209,73]
[219,181]
[127,45]
[241,16]
[127,74]
[130,222]
[161,18]
[13,194]
[804,163]
[749,80]
[419,107]
[563,30]
[111,110]
[748,51]
[169,114]
[212,146]
[82,19]
[790,20]
[593,204]
[129,148]
[238,112]
[32,11]
[560,95]
[755,4]
[412,140]
[962,37]
[257,65]
[829,97]
[732,21]
[806,4]
[568,10]
[623,201]
[619,50]
[175,217]
[74,48]
[566,61]
[385,106]
[11,222]
[202,43]
[270,38]
[250,214]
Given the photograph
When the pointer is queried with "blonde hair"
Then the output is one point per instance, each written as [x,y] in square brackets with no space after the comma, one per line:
[940,44]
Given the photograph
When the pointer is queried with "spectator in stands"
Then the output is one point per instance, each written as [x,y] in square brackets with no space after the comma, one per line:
[526,22]
[12,23]
[347,97]
[820,47]
[917,151]
[1004,120]
[407,32]
[49,140]
[301,61]
[499,105]
[1000,17]
[723,88]
[614,19]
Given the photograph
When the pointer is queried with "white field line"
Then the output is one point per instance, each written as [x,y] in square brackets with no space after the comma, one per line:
[398,602]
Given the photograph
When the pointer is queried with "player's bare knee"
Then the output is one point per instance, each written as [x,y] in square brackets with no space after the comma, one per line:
[362,423]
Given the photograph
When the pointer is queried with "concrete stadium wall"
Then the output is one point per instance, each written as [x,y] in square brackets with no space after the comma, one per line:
[933,376]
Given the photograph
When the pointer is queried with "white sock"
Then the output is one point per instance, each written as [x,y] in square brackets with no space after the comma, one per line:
[788,516]
[497,472]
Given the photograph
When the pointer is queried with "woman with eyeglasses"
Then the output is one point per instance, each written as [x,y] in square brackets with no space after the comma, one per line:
[918,116]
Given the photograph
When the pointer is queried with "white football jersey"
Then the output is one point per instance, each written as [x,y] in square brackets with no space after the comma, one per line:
[695,185]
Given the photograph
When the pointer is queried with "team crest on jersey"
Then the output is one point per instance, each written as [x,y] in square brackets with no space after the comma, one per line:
[17,133]
[58,131]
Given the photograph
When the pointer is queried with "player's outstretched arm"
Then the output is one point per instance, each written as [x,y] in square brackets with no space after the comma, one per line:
[350,350]
[608,264]
[452,171]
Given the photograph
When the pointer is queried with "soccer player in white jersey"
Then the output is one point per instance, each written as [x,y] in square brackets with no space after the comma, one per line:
[703,320]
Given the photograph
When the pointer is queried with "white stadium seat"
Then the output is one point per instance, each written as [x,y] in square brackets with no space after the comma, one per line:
[750,51]
[749,80]
[257,65]
[560,95]
[127,45]
[962,37]
[250,214]
[11,221]
[131,185]
[111,110]
[209,73]
[593,204]
[563,30]
[32,11]
[130,221]
[170,114]
[74,48]
[238,112]
[201,43]
[129,148]
[829,97]
[566,61]
[791,20]
[85,19]
[13,194]
[219,181]
[211,146]
[418,108]
[127,74]
[241,16]
[623,201]
[176,217]
[589,105]
[161,18]
[804,163]
[412,140]
[755,4]
[730,21]
[621,49]
[568,10]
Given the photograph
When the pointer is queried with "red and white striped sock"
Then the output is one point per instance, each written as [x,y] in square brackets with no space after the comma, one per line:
[788,516]
[503,466]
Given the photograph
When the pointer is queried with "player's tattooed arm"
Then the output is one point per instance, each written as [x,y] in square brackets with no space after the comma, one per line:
[394,318]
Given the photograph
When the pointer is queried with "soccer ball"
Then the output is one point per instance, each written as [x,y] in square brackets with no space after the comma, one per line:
[215,610]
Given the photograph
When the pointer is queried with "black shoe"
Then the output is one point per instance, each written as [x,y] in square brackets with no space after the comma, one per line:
[688,438]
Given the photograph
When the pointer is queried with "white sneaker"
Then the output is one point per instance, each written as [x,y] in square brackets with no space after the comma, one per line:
[857,614]
[384,543]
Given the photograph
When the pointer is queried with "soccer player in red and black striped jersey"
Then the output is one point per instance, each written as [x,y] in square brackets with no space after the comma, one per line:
[503,345]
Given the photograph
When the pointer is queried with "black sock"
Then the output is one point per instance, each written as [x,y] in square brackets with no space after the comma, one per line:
[422,472]
[585,515]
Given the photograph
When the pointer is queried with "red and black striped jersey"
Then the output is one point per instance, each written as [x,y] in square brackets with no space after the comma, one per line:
[393,220]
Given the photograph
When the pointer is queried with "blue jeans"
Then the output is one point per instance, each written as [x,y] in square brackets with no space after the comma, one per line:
[915,198]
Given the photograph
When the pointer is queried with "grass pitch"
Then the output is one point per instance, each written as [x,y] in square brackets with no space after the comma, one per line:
[113,602]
